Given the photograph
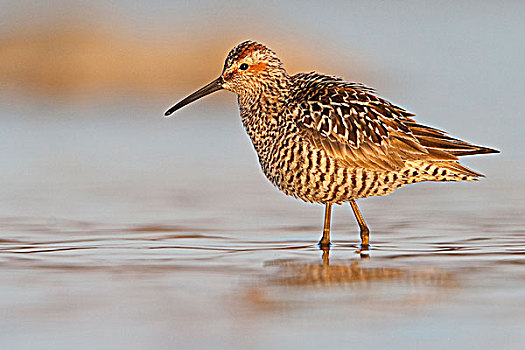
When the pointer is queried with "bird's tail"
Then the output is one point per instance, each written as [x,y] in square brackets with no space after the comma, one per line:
[437,140]
[442,171]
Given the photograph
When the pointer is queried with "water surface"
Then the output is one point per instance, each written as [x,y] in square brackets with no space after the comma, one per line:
[131,233]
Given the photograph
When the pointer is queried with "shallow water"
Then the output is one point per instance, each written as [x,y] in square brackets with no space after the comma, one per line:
[129,233]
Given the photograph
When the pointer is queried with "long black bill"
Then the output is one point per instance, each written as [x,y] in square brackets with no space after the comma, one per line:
[206,90]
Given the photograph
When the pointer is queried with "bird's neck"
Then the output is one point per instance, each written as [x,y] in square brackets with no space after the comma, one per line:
[266,98]
[262,115]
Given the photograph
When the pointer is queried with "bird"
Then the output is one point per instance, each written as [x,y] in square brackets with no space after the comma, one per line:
[325,140]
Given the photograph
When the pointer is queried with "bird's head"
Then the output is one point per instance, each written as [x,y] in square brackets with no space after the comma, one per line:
[249,69]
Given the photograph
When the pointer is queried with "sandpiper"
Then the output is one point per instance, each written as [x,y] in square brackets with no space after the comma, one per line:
[325,140]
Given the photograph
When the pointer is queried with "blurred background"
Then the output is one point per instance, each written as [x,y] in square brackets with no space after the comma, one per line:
[92,174]
[108,67]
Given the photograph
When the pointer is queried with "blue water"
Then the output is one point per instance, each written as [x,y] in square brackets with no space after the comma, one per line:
[126,232]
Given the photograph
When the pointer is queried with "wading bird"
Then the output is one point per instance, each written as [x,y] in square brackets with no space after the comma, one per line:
[325,140]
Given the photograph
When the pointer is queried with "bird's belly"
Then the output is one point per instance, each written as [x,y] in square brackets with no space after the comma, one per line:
[310,174]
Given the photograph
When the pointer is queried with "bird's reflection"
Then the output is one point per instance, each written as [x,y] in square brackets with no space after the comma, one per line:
[363,251]
[302,273]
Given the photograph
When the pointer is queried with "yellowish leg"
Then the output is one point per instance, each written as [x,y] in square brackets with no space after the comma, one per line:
[325,240]
[365,232]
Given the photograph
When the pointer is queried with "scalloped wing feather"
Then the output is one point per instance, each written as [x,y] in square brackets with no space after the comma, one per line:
[358,128]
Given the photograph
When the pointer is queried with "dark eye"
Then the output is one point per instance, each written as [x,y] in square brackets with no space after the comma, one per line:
[243,66]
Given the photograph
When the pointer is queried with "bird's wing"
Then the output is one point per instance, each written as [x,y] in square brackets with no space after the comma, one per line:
[353,125]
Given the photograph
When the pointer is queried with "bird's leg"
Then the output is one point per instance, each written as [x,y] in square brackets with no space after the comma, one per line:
[325,240]
[365,232]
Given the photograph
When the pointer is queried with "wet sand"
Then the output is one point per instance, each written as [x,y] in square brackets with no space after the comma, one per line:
[129,233]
